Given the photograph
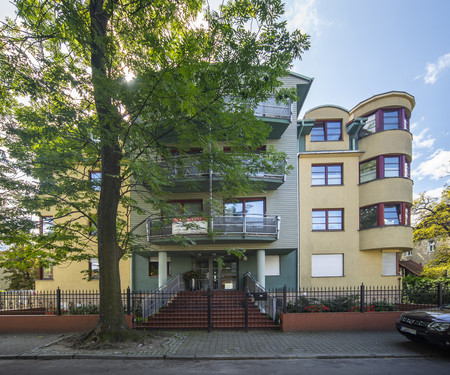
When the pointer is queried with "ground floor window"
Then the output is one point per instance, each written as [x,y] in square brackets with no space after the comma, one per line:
[327,265]
[273,265]
[153,266]
[94,269]
[390,264]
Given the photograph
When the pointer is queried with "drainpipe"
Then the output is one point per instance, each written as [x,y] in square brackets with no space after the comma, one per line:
[298,221]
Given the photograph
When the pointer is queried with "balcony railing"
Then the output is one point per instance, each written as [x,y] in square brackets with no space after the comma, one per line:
[272,109]
[185,167]
[219,227]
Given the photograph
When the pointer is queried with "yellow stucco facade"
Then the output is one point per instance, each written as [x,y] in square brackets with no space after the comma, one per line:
[352,228]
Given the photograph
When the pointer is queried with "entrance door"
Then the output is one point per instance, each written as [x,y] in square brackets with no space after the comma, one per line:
[215,276]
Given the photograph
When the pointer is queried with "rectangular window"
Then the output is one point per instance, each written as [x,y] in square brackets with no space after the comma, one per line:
[392,166]
[246,207]
[273,265]
[391,120]
[326,174]
[46,273]
[389,264]
[153,266]
[326,131]
[186,207]
[392,214]
[330,219]
[368,171]
[46,224]
[327,265]
[368,217]
[431,246]
[96,179]
[94,269]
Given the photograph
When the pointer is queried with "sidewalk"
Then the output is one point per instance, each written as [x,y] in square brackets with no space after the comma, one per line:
[229,345]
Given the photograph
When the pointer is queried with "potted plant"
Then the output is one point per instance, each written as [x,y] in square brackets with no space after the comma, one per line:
[191,277]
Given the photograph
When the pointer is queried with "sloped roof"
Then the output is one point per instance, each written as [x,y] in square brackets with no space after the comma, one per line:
[411,266]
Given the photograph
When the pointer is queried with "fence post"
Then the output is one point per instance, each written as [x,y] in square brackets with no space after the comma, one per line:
[440,300]
[128,301]
[209,309]
[284,299]
[58,301]
[246,310]
[361,300]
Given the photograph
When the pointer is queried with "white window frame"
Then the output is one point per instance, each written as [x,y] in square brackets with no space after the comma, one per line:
[327,265]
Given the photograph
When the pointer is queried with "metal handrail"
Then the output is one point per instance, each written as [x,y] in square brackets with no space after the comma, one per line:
[161,296]
[245,224]
[268,305]
[185,166]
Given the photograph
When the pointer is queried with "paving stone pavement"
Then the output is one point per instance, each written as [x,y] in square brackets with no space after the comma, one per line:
[231,345]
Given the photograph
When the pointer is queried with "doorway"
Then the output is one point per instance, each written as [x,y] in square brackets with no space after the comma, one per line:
[216,276]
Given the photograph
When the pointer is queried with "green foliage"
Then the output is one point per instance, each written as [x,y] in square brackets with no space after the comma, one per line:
[433,216]
[422,290]
[439,266]
[67,108]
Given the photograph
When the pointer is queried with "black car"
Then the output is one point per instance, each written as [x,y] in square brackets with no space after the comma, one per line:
[428,325]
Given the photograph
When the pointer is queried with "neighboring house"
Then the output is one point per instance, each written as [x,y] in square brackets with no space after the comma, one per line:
[355,192]
[423,251]
[73,275]
[264,224]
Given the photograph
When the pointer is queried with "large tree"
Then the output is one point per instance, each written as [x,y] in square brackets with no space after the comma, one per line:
[432,216]
[111,84]
[433,223]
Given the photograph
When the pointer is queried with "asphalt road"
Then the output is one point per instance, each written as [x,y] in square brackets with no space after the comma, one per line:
[342,366]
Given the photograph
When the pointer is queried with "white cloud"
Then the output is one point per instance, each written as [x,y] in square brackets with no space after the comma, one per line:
[436,167]
[423,140]
[303,15]
[434,69]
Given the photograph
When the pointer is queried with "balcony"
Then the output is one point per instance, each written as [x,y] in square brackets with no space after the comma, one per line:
[188,175]
[228,228]
[277,115]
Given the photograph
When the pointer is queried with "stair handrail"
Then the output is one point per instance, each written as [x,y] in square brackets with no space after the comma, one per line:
[161,296]
[253,287]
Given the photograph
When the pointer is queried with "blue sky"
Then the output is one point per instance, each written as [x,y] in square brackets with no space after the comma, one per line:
[360,48]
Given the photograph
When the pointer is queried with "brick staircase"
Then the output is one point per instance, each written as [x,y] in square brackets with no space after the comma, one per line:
[189,310]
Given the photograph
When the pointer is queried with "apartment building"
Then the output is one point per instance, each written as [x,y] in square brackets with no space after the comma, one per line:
[355,192]
[263,224]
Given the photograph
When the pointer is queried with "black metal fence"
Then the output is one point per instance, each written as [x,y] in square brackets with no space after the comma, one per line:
[361,299]
[254,308]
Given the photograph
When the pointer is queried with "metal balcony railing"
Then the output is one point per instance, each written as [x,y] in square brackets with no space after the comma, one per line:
[272,109]
[245,225]
[191,168]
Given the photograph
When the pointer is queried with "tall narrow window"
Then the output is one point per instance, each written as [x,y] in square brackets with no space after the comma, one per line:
[94,269]
[391,120]
[389,264]
[46,224]
[96,179]
[392,166]
[368,171]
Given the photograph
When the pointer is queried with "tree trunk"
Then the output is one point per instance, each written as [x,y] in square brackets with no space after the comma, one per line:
[111,325]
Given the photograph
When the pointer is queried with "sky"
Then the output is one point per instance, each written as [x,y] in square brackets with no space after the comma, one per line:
[361,48]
